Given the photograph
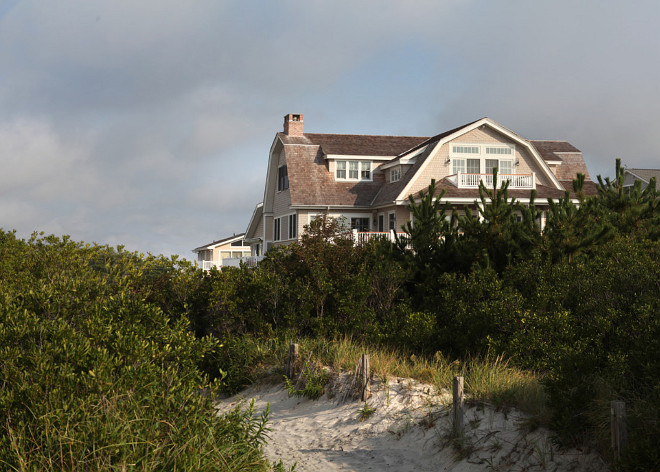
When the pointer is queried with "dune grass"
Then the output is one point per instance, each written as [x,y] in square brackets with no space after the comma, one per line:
[490,379]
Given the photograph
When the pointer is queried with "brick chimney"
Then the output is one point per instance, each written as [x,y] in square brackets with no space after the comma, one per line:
[293,125]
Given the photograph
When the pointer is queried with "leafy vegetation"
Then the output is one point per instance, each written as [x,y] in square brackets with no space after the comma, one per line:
[578,303]
[99,370]
[111,360]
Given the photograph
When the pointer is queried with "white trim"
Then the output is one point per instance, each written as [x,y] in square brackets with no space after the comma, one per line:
[404,161]
[635,176]
[466,129]
[328,207]
[355,157]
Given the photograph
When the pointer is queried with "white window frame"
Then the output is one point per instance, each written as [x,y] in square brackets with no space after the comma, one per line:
[460,153]
[340,166]
[395,174]
[353,170]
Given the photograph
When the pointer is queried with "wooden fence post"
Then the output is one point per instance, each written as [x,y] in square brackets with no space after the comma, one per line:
[458,405]
[291,361]
[618,425]
[364,378]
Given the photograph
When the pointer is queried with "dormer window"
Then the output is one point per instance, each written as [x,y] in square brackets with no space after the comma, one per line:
[395,174]
[353,170]
[365,170]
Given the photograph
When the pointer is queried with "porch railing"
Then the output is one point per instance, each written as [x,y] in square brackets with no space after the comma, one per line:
[250,261]
[360,237]
[516,181]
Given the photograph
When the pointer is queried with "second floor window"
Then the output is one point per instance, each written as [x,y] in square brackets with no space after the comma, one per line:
[353,170]
[395,174]
[341,169]
[365,170]
[282,178]
[276,229]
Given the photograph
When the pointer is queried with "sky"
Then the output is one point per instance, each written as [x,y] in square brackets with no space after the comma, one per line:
[147,123]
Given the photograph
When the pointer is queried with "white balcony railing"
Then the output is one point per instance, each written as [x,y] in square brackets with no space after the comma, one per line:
[250,261]
[208,265]
[364,237]
[516,181]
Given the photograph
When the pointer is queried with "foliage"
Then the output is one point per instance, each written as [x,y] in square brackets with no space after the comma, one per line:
[365,412]
[97,375]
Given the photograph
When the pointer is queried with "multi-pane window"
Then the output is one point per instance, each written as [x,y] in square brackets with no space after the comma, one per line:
[341,170]
[353,170]
[282,178]
[360,224]
[481,159]
[293,226]
[506,166]
[500,150]
[458,166]
[392,222]
[395,174]
[457,149]
[472,166]
[490,165]
[365,170]
[276,229]
[353,167]
[381,223]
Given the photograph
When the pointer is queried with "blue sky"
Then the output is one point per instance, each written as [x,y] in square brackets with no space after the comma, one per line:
[148,123]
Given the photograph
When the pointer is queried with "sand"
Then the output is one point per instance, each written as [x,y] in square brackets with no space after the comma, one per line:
[410,430]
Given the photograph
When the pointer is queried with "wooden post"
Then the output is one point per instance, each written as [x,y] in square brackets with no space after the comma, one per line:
[366,390]
[291,361]
[618,425]
[458,405]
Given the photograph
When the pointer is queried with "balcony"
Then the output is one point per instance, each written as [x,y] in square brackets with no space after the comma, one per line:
[360,238]
[516,181]
[250,261]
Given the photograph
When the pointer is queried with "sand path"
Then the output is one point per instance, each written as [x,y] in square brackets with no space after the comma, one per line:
[409,431]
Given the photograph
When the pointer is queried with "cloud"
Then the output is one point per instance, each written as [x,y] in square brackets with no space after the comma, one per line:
[149,123]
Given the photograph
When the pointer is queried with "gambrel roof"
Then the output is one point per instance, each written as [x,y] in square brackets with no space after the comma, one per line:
[311,184]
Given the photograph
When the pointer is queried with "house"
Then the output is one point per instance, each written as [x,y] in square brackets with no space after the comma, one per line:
[366,180]
[642,175]
[227,251]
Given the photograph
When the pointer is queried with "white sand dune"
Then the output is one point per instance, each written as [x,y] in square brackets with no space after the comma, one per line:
[409,431]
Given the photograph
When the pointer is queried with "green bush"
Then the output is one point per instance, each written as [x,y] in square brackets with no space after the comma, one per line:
[96,376]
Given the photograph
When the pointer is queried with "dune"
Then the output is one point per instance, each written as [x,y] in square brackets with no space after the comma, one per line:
[409,429]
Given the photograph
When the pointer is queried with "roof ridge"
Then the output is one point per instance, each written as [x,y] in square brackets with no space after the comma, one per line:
[368,135]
